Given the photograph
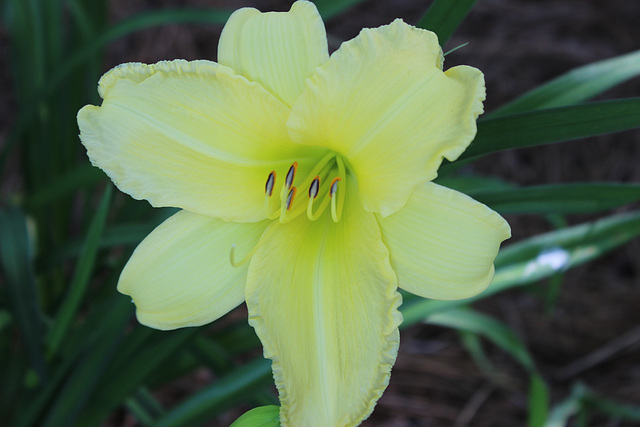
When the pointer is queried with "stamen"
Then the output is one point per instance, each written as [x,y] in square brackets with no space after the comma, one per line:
[291,175]
[271,181]
[334,186]
[318,170]
[289,208]
[267,207]
[290,197]
[336,206]
[314,188]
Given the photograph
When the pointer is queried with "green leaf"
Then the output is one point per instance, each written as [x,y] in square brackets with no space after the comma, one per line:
[263,416]
[229,390]
[84,176]
[95,354]
[553,125]
[582,398]
[561,198]
[16,258]
[61,74]
[559,416]
[611,408]
[495,331]
[82,275]
[578,85]
[140,356]
[501,335]
[473,184]
[538,401]
[444,17]
[145,407]
[330,8]
[540,257]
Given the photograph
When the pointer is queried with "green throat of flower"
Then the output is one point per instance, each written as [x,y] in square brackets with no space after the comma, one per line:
[326,188]
[325,185]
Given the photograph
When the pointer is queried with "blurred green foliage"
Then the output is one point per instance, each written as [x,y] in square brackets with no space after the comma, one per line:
[69,351]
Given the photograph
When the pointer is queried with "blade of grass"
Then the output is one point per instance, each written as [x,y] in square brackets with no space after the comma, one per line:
[553,125]
[137,360]
[263,416]
[84,176]
[612,408]
[578,85]
[560,414]
[82,275]
[16,258]
[13,370]
[502,336]
[96,353]
[561,198]
[330,8]
[234,387]
[444,16]
[495,331]
[88,51]
[473,344]
[145,407]
[472,184]
[540,257]
[538,402]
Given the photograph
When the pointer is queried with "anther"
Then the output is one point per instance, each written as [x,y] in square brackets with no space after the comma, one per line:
[271,181]
[334,186]
[291,174]
[290,197]
[314,188]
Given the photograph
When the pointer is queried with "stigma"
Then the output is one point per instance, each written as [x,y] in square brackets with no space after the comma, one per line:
[324,185]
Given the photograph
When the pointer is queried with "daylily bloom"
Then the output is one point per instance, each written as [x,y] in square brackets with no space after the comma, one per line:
[304,183]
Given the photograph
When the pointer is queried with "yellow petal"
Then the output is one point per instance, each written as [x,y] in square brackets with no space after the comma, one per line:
[188,134]
[277,49]
[322,298]
[180,275]
[443,243]
[383,102]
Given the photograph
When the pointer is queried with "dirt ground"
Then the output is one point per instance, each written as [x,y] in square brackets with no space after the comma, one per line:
[518,44]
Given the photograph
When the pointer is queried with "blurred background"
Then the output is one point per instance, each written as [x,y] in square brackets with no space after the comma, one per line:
[580,327]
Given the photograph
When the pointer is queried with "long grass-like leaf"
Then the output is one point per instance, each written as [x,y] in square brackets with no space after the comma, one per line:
[88,51]
[582,397]
[235,387]
[502,336]
[16,258]
[444,17]
[541,257]
[562,198]
[553,125]
[85,377]
[84,176]
[538,401]
[495,331]
[577,85]
[135,362]
[330,8]
[82,275]
[263,416]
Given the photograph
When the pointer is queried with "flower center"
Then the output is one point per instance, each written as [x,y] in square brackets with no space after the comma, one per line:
[325,185]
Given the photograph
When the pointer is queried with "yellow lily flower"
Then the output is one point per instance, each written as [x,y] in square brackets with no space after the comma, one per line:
[305,186]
